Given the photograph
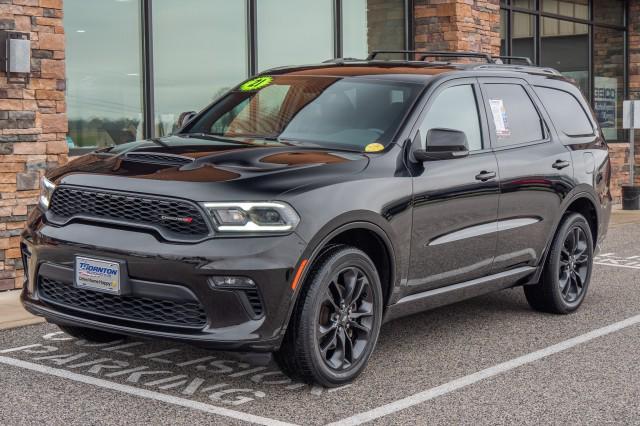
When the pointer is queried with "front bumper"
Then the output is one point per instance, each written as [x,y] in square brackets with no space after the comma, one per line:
[172,275]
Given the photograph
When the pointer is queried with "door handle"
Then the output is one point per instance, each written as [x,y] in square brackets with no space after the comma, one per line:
[560,164]
[485,176]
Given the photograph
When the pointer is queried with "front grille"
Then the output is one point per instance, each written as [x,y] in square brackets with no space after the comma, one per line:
[153,158]
[128,308]
[177,218]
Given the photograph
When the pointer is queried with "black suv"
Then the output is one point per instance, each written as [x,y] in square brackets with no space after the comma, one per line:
[309,205]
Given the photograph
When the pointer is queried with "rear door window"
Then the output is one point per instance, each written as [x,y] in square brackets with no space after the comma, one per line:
[566,112]
[514,116]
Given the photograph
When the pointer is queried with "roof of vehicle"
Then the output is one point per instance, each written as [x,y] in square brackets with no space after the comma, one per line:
[415,70]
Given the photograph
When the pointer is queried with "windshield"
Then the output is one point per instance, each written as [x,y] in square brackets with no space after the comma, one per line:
[348,113]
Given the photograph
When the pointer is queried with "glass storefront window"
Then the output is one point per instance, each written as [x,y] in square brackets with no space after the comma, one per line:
[524,35]
[104,87]
[372,25]
[608,81]
[570,8]
[555,46]
[503,32]
[524,4]
[286,35]
[200,51]
[355,29]
[609,12]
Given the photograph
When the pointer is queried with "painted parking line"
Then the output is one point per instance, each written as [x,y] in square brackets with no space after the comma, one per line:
[616,266]
[143,393]
[615,260]
[462,382]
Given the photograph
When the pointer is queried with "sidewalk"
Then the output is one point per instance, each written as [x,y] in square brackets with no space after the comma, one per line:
[13,315]
[624,217]
[11,312]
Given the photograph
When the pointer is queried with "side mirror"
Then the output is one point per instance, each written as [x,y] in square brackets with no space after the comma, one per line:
[443,144]
[185,117]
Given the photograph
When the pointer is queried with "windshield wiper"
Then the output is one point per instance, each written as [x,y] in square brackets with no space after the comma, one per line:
[309,144]
[214,137]
[159,142]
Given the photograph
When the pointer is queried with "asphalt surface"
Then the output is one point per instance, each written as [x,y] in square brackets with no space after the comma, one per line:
[461,357]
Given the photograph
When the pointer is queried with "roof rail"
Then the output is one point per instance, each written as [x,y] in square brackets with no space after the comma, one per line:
[515,58]
[527,68]
[341,60]
[425,54]
[480,55]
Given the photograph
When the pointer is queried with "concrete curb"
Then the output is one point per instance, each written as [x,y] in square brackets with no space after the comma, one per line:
[624,217]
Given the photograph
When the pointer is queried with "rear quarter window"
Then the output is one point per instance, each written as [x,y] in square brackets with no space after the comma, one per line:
[566,112]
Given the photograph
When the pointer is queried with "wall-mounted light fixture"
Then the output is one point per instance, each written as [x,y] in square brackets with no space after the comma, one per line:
[15,52]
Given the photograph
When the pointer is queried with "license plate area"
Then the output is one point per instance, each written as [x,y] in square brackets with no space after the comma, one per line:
[98,275]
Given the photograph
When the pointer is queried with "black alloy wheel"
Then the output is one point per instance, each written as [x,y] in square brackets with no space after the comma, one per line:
[567,271]
[346,318]
[574,265]
[336,321]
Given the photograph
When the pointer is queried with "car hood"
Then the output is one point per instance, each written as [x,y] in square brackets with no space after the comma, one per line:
[201,169]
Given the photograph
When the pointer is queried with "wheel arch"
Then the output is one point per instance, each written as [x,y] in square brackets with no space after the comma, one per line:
[587,208]
[362,232]
[582,202]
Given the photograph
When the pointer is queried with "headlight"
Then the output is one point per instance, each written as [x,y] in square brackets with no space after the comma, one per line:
[46,191]
[253,217]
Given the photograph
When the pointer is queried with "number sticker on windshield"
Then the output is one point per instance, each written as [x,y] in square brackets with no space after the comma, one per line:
[256,83]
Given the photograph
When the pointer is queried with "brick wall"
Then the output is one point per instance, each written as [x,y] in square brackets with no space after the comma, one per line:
[457,25]
[33,123]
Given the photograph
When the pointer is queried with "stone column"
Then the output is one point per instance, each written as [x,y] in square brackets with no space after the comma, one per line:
[33,123]
[463,25]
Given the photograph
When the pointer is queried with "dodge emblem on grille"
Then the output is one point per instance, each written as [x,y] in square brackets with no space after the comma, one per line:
[177,219]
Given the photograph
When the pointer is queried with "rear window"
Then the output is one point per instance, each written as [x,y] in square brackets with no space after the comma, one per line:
[346,112]
[515,118]
[566,112]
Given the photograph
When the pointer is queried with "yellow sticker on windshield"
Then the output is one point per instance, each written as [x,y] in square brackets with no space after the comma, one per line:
[256,83]
[374,147]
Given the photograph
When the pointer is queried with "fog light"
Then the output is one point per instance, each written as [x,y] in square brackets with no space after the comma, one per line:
[232,282]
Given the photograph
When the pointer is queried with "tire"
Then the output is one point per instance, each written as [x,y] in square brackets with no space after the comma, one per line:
[326,343]
[567,271]
[90,334]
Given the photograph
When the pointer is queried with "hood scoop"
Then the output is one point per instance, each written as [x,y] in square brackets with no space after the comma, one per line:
[156,158]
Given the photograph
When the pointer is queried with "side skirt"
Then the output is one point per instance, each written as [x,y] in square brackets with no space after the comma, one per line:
[435,298]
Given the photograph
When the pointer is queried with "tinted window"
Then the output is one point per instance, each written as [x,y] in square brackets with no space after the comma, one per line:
[566,112]
[341,112]
[301,40]
[104,95]
[515,118]
[188,43]
[455,108]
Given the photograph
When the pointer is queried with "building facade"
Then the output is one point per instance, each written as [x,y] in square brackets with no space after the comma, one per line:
[107,72]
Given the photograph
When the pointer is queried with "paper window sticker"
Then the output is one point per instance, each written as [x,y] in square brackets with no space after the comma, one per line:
[500,120]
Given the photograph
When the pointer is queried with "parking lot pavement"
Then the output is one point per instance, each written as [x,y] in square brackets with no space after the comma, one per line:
[486,360]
